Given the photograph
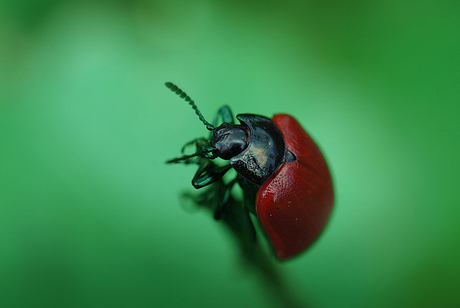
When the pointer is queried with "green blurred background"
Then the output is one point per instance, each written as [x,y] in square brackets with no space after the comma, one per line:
[90,215]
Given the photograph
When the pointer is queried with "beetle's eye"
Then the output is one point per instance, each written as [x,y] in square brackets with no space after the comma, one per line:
[230,140]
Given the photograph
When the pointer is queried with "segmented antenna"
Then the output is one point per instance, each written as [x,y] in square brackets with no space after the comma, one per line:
[187,98]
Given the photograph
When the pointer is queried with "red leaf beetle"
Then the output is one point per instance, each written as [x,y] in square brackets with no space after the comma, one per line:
[285,180]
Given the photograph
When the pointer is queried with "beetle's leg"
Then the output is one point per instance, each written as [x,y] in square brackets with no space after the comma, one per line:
[203,150]
[200,143]
[220,199]
[186,159]
[233,214]
[225,114]
[208,172]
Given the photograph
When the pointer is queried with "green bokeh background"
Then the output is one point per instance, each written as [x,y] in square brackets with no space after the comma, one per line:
[90,215]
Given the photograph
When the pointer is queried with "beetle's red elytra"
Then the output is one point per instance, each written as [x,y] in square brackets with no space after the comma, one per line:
[294,205]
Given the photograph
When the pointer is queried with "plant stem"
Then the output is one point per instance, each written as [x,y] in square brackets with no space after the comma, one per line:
[236,219]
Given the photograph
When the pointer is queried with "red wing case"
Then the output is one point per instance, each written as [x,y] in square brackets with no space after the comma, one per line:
[294,205]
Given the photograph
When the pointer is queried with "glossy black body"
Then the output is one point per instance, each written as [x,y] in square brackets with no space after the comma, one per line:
[264,153]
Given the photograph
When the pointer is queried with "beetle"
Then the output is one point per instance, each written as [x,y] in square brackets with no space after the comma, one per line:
[285,179]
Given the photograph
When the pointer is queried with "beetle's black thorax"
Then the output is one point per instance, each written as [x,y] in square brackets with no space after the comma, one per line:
[264,152]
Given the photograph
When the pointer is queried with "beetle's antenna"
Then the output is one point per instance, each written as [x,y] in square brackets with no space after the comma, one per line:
[187,98]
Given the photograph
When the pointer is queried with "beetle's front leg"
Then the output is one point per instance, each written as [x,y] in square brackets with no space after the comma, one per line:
[208,173]
[225,114]
[203,150]
[200,144]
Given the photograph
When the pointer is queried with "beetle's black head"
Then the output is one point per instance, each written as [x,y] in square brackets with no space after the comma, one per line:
[229,140]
